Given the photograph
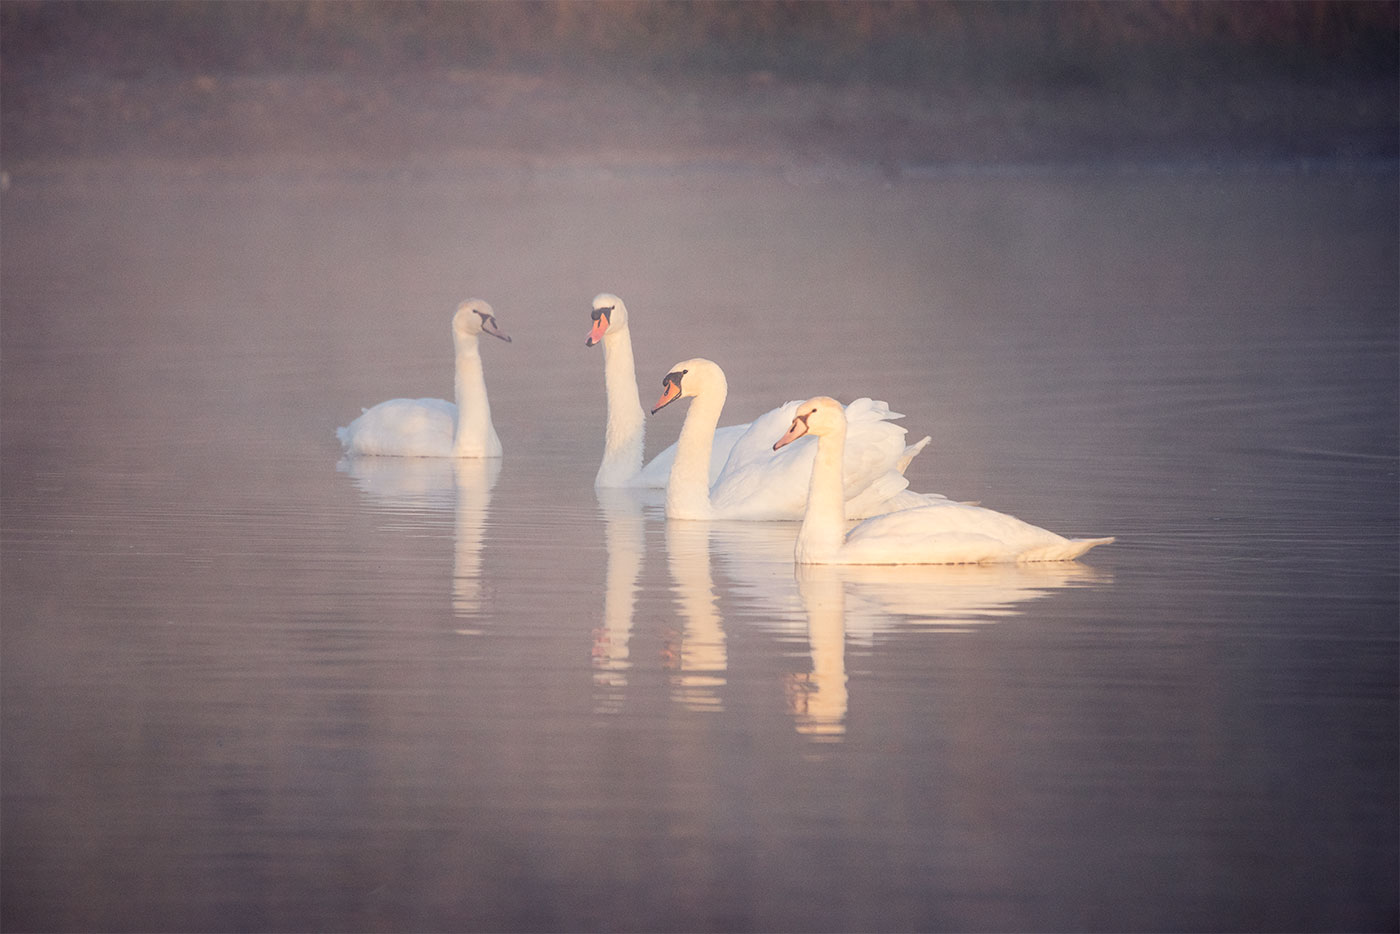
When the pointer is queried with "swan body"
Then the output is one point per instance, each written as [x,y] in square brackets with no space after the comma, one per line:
[938,533]
[436,427]
[626,426]
[755,483]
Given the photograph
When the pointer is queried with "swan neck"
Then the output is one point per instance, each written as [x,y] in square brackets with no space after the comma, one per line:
[824,523]
[475,435]
[688,490]
[626,426]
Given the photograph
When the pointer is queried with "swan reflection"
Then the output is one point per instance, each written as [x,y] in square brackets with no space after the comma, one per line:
[818,699]
[857,602]
[700,660]
[624,533]
[475,478]
[696,654]
[949,598]
[408,486]
[403,484]
[824,606]
[756,558]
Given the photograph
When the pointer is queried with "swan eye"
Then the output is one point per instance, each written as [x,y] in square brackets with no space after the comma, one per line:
[603,313]
[673,379]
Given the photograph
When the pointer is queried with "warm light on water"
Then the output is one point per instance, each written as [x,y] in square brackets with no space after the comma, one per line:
[249,684]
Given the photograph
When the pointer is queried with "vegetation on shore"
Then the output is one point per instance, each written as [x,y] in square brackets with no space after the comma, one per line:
[888,82]
[901,41]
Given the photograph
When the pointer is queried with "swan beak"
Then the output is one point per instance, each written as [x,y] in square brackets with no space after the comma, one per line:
[797,430]
[488,326]
[600,326]
[670,392]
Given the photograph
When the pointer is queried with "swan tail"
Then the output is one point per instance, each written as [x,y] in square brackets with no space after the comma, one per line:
[346,433]
[911,452]
[1066,550]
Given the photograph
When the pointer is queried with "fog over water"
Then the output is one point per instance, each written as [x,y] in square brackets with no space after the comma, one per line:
[250,683]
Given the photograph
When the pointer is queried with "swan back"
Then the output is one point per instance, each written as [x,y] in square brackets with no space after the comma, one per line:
[956,533]
[402,428]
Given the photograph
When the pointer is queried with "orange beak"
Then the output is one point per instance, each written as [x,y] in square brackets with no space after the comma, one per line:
[797,430]
[600,325]
[670,393]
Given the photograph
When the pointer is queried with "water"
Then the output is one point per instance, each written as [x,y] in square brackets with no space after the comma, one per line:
[247,685]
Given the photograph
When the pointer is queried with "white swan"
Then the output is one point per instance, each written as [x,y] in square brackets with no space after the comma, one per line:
[436,427]
[622,443]
[941,533]
[757,484]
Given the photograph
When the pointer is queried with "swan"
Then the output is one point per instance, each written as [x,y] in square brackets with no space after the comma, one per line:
[436,427]
[940,533]
[622,443]
[757,484]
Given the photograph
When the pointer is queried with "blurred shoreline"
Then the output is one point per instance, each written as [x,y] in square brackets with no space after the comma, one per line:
[544,86]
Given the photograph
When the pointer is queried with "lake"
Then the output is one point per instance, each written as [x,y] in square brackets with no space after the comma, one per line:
[251,685]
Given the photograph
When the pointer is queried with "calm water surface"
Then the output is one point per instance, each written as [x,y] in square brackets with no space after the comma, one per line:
[249,685]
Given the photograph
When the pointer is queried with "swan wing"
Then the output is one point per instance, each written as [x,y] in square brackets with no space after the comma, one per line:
[885,493]
[760,483]
[754,447]
[874,448]
[911,452]
[869,439]
[904,499]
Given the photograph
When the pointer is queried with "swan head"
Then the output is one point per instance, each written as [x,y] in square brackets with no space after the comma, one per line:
[689,378]
[820,415]
[609,317]
[475,317]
